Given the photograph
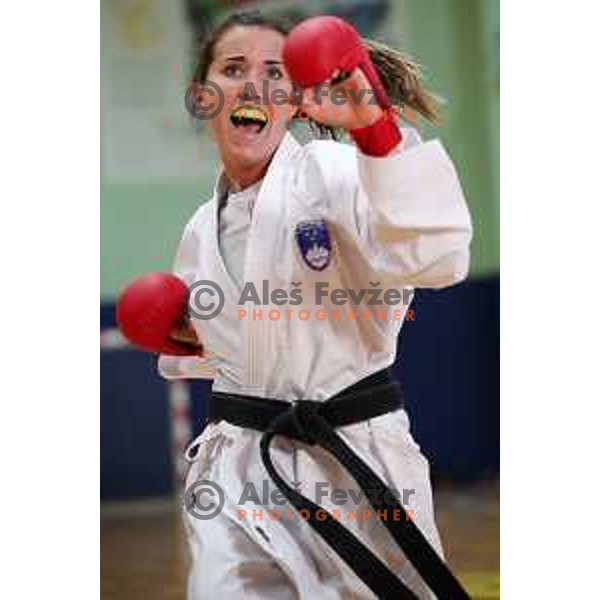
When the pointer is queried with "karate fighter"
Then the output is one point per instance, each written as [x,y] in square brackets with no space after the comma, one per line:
[308,405]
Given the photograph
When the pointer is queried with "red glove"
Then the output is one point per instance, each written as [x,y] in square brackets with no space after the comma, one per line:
[321,46]
[148,310]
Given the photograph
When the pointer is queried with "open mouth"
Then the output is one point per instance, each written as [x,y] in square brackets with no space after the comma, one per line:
[249,117]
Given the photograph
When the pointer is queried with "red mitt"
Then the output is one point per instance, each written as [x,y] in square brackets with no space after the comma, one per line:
[321,46]
[148,310]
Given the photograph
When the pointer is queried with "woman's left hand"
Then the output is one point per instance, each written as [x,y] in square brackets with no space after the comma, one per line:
[349,104]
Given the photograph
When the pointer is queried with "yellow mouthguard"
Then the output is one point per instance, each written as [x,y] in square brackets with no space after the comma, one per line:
[250,113]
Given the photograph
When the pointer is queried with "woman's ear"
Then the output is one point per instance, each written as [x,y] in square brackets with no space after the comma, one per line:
[291,108]
[294,103]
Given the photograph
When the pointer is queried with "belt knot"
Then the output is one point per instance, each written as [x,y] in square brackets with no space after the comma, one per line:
[298,421]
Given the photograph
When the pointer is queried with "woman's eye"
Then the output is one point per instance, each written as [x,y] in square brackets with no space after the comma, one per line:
[232,70]
[274,73]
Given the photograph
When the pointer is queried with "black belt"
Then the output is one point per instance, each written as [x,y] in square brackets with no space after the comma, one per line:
[314,422]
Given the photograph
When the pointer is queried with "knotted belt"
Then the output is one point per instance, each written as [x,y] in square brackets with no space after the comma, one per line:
[314,423]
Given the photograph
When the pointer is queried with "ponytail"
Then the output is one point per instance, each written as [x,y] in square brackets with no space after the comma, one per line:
[401,79]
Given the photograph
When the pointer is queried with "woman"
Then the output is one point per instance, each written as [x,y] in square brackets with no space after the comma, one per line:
[386,212]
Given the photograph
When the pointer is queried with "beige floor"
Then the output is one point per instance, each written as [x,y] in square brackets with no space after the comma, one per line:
[144,556]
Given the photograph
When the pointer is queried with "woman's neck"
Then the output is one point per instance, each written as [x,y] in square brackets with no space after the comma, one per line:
[240,179]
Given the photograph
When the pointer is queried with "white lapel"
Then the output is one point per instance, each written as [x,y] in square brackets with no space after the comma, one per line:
[230,287]
[268,209]
[262,337]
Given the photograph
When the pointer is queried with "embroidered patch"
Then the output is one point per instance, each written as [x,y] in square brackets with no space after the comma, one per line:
[314,242]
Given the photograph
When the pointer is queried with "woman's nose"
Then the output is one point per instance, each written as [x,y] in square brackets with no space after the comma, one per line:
[252,91]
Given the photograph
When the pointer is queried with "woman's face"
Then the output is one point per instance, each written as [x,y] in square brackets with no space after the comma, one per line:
[245,130]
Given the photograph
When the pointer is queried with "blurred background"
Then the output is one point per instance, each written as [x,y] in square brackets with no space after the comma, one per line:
[158,165]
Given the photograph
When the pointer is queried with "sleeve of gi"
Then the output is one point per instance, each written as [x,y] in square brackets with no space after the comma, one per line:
[185,267]
[406,211]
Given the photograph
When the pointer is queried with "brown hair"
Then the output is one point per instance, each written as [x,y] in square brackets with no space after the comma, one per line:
[400,75]
[401,78]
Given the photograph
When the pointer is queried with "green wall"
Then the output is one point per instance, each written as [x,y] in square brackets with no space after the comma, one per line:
[458,42]
[140,228]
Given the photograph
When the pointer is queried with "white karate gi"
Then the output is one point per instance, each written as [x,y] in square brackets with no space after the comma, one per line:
[401,221]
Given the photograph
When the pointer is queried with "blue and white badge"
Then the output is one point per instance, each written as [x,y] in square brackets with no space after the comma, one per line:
[314,242]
